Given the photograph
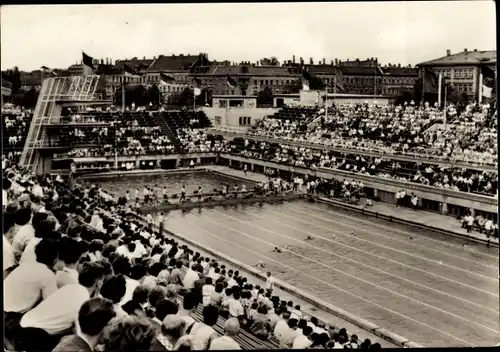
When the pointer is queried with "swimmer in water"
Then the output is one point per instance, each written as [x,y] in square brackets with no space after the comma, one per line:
[277,250]
[308,238]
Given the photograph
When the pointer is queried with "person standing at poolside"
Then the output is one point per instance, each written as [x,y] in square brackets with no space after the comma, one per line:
[183,194]
[165,196]
[199,194]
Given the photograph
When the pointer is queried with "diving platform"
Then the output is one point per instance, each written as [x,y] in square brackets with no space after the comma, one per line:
[55,93]
[210,201]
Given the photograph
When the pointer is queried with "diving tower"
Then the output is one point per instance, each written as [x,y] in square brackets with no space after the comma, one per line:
[56,93]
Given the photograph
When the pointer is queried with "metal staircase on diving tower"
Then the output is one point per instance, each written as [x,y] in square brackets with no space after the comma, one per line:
[55,91]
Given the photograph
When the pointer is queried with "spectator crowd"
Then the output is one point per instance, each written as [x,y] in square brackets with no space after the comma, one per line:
[83,274]
[389,129]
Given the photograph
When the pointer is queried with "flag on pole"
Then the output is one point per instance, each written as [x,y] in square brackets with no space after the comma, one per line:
[306,77]
[166,79]
[130,72]
[487,82]
[430,81]
[47,70]
[88,65]
[231,82]
[197,84]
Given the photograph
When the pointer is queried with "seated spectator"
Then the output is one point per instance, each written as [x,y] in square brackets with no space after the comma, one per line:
[93,317]
[130,333]
[205,330]
[28,284]
[260,323]
[188,307]
[233,305]
[56,314]
[113,289]
[289,334]
[25,232]
[188,343]
[302,340]
[172,330]
[70,252]
[227,342]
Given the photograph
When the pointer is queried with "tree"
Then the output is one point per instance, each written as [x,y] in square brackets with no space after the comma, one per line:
[136,94]
[265,97]
[16,80]
[30,98]
[154,94]
[204,98]
[184,98]
[404,96]
[316,83]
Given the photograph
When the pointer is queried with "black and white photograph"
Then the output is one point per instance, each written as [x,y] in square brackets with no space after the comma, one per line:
[249,176]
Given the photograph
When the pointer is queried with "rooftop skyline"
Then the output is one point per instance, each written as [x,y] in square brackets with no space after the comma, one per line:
[393,32]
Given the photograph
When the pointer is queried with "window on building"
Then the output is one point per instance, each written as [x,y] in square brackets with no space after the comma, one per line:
[267,82]
[261,82]
[223,103]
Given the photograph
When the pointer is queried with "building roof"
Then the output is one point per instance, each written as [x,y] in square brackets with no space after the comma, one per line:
[136,64]
[323,69]
[252,70]
[401,71]
[464,57]
[360,71]
[174,63]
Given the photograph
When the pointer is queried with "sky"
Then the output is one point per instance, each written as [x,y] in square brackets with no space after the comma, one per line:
[394,32]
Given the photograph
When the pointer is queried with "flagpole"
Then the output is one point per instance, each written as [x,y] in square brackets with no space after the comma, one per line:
[439,89]
[480,98]
[116,148]
[123,89]
[423,87]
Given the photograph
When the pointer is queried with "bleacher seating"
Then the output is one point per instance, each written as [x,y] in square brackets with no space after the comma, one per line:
[100,230]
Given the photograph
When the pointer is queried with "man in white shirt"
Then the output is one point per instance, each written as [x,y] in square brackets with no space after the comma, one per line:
[57,313]
[227,342]
[269,283]
[234,306]
[190,277]
[69,255]
[24,234]
[302,341]
[289,334]
[488,227]
[30,282]
[281,326]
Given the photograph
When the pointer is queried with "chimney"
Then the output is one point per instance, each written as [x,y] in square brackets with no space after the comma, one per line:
[293,59]
[399,65]
[324,61]
[475,49]
[336,62]
[448,52]
[465,50]
[331,62]
[311,61]
[144,57]
[301,61]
